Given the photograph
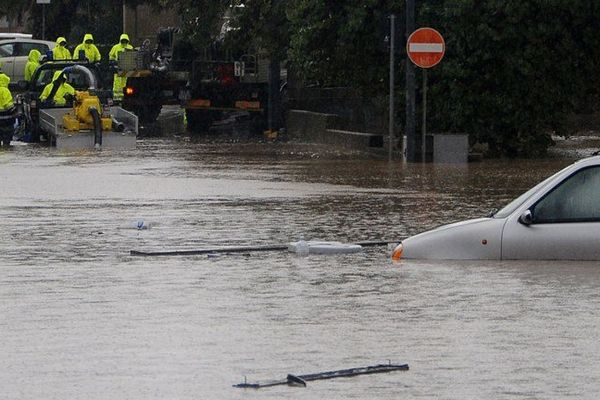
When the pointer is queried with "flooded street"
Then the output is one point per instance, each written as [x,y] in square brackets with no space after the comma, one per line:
[82,318]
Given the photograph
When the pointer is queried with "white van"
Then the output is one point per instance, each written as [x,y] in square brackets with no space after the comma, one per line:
[15,52]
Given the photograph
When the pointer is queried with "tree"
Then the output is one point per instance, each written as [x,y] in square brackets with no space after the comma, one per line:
[201,20]
[341,42]
[513,70]
[262,24]
[15,9]
[68,18]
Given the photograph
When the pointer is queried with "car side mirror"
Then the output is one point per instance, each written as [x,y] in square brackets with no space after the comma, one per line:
[23,85]
[526,218]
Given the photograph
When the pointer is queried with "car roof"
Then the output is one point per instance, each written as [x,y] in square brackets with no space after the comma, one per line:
[516,205]
[25,40]
[593,160]
[575,166]
[9,35]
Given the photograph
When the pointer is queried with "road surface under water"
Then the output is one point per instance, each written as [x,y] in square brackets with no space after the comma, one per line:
[81,318]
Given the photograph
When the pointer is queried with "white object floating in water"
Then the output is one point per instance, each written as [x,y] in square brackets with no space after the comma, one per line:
[319,247]
[141,225]
[301,247]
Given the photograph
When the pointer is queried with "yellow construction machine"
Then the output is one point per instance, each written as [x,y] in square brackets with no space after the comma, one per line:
[86,114]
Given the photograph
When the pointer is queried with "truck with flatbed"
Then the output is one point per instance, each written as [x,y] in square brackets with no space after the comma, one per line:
[208,85]
[80,79]
[85,120]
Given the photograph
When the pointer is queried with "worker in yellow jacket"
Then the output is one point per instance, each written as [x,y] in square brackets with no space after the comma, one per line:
[7,110]
[60,51]
[89,48]
[32,63]
[119,82]
[57,94]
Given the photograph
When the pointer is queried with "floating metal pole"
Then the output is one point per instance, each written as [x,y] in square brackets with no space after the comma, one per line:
[300,380]
[241,249]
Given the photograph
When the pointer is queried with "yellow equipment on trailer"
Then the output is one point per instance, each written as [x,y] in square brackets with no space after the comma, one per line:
[81,118]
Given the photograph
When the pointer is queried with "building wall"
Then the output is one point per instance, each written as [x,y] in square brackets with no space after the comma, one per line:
[143,22]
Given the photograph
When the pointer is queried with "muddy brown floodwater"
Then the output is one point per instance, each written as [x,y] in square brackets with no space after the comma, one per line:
[81,318]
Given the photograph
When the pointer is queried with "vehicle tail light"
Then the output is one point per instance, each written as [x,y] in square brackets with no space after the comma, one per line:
[129,91]
[226,74]
[245,105]
[199,103]
[397,254]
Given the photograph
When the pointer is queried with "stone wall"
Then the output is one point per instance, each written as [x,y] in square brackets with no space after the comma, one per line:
[321,128]
[310,126]
[355,112]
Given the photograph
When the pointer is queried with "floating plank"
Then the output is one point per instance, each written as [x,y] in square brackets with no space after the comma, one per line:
[300,380]
[238,249]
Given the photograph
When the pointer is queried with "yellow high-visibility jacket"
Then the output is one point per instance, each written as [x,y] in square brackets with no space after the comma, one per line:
[60,52]
[6,99]
[59,96]
[91,51]
[117,48]
[32,63]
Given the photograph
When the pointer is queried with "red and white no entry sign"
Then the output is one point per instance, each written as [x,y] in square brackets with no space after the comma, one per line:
[425,47]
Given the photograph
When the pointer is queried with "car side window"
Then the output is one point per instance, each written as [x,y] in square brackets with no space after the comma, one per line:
[26,47]
[7,50]
[576,199]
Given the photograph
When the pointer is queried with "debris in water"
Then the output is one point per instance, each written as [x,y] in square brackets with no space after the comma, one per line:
[303,248]
[248,249]
[300,380]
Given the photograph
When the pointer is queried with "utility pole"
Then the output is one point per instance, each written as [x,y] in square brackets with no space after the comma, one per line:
[274,101]
[43,3]
[424,122]
[392,73]
[411,139]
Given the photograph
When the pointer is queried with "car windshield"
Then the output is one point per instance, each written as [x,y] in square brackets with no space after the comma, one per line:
[44,78]
[516,203]
[77,79]
[6,50]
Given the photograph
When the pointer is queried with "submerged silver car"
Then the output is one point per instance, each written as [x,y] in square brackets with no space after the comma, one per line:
[558,219]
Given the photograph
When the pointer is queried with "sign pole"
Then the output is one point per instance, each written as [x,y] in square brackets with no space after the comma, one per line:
[410,130]
[392,73]
[424,125]
[425,47]
[43,3]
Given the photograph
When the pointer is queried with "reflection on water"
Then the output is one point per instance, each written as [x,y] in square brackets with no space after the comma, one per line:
[81,318]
